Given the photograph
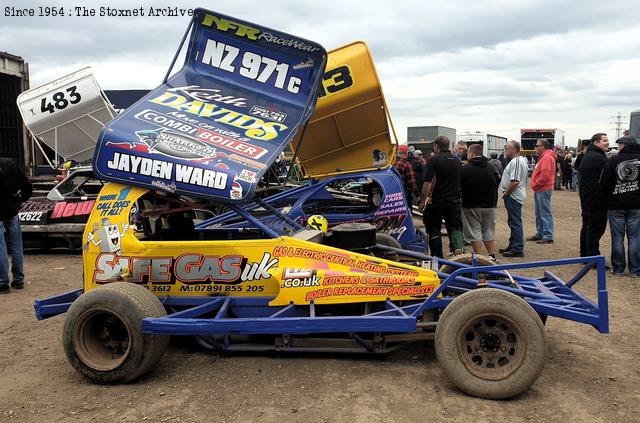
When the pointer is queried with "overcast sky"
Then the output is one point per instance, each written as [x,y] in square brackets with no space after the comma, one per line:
[491,66]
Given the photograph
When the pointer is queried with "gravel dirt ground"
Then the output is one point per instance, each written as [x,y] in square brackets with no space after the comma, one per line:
[588,377]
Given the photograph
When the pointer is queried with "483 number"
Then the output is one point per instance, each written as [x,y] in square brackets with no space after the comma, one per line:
[59,100]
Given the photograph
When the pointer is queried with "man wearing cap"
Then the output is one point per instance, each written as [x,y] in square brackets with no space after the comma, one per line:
[620,181]
[403,166]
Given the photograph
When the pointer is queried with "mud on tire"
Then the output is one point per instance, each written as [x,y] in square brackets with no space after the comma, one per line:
[103,337]
[490,344]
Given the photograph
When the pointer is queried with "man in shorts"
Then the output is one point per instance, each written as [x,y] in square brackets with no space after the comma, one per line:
[479,182]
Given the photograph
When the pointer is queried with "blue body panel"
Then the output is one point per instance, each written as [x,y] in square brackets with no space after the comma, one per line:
[214,128]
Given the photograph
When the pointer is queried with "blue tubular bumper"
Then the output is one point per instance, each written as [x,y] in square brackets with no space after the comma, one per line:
[549,295]
[252,315]
[53,306]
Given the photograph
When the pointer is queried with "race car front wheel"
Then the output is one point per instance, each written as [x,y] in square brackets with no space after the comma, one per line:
[103,337]
[490,343]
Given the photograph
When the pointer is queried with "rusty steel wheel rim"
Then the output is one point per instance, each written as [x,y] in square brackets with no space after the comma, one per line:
[492,346]
[102,340]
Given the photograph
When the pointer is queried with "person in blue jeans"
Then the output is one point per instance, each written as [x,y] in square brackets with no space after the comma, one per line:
[512,186]
[10,229]
[15,188]
[620,181]
[542,182]
[544,218]
[621,222]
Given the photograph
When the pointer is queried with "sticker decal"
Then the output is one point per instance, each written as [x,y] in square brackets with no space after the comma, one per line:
[247,176]
[236,190]
[268,114]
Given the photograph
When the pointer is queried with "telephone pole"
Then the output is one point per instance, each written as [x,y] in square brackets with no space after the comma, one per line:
[619,122]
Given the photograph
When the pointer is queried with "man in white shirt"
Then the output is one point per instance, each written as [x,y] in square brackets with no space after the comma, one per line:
[513,188]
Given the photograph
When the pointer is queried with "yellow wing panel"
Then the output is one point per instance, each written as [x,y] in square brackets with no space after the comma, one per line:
[350,129]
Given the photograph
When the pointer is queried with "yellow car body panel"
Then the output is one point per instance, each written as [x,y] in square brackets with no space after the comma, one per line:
[288,269]
[350,129]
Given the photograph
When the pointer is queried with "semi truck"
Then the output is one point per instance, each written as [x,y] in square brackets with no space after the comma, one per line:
[490,143]
[14,79]
[528,138]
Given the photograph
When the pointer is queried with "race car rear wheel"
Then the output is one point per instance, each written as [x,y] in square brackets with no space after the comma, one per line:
[480,261]
[491,344]
[103,337]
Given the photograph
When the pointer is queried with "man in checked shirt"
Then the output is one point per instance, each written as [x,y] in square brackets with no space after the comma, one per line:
[409,181]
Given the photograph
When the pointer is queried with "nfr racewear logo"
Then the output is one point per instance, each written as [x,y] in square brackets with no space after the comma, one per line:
[245,31]
[239,29]
[294,278]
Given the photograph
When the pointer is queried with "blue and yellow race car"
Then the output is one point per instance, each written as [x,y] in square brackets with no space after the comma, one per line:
[206,136]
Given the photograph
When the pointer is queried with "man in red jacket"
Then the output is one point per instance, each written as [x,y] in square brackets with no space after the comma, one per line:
[542,181]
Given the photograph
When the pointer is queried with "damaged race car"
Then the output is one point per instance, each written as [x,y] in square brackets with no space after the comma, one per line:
[58,220]
[206,136]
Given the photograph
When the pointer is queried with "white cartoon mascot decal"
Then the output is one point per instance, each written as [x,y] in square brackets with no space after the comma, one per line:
[109,238]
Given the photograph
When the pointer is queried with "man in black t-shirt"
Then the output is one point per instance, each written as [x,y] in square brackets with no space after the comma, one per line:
[441,198]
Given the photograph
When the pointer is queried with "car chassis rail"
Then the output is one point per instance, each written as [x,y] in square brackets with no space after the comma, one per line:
[225,315]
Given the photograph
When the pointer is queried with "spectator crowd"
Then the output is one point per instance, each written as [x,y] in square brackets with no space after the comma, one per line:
[461,188]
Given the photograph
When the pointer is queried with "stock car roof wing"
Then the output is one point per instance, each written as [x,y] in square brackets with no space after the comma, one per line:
[67,114]
[351,129]
[214,128]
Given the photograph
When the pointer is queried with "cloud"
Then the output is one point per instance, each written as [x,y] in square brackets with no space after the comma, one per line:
[492,66]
